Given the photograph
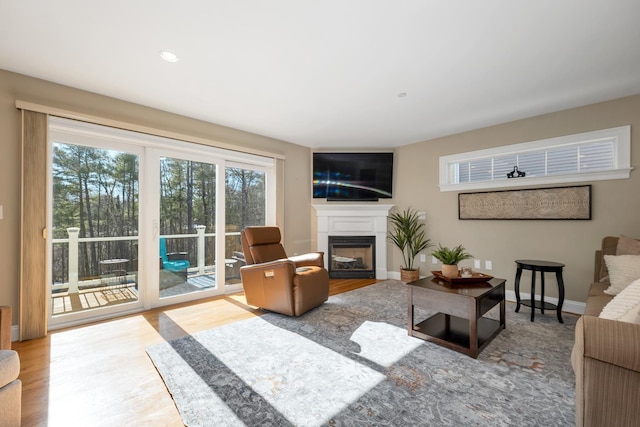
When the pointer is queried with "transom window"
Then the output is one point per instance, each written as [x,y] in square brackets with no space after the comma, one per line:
[590,156]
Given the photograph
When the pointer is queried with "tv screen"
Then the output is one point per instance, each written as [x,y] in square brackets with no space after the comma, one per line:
[352,176]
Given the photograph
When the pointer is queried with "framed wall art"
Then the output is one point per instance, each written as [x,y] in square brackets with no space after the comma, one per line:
[572,203]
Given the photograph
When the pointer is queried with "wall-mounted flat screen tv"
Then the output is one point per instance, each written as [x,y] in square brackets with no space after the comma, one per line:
[352,176]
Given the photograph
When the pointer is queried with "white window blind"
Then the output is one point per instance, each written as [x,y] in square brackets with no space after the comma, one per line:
[589,156]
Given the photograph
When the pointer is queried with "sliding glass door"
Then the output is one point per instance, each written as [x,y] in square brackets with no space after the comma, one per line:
[199,195]
[94,222]
[139,221]
[246,205]
[187,225]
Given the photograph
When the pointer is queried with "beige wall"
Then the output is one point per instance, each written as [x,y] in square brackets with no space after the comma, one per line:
[297,192]
[615,204]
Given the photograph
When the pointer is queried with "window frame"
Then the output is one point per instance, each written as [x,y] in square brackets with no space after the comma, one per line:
[620,136]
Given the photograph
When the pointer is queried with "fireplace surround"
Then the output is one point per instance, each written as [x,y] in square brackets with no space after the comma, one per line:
[354,219]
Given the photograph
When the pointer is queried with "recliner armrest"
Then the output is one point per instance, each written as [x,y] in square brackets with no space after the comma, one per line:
[271,264]
[313,259]
[270,285]
[282,269]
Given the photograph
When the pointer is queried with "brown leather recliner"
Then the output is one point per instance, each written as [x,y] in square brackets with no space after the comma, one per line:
[275,282]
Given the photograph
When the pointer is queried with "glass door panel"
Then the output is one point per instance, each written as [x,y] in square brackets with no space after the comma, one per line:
[139,221]
[245,205]
[187,246]
[94,249]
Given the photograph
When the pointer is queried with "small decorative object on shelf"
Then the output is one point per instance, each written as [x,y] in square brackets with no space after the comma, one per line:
[515,173]
[450,259]
[475,279]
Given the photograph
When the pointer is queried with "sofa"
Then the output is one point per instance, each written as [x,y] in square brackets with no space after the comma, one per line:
[10,389]
[606,356]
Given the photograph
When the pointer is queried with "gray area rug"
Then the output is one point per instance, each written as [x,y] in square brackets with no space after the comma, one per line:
[350,362]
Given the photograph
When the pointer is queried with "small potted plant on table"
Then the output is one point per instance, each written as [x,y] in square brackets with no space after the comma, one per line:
[408,234]
[450,259]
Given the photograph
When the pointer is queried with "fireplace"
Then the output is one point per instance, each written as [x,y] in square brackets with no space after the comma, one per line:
[352,256]
[354,220]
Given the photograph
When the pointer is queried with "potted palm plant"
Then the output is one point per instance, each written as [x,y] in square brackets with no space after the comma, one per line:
[408,233]
[450,259]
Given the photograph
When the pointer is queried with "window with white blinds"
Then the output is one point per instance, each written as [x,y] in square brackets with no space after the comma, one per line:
[590,156]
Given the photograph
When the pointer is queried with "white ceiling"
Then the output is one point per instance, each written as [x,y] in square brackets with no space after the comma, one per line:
[327,73]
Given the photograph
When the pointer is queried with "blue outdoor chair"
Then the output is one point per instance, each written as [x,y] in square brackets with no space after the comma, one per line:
[175,262]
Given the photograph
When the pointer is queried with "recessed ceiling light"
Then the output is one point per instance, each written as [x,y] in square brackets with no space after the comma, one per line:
[168,56]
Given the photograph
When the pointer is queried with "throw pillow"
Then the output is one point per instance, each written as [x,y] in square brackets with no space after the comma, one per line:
[623,269]
[632,316]
[628,246]
[625,306]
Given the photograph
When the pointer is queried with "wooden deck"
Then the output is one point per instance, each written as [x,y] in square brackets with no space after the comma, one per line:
[100,375]
[90,297]
[87,299]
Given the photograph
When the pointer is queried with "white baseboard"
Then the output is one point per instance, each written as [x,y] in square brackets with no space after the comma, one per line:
[395,275]
[568,306]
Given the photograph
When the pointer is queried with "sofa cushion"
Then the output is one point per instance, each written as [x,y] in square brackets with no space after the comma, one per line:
[632,316]
[628,246]
[598,288]
[609,247]
[595,304]
[623,269]
[625,305]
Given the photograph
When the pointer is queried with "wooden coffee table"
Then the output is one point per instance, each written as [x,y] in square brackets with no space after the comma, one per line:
[458,322]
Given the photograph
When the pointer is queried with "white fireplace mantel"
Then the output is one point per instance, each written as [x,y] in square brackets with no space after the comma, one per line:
[354,219]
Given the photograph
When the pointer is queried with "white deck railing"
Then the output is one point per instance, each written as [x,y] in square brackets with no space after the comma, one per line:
[74,240]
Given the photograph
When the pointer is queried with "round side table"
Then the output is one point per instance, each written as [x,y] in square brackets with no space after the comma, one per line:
[543,267]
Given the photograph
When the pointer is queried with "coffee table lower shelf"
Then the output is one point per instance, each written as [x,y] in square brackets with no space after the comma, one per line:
[453,332]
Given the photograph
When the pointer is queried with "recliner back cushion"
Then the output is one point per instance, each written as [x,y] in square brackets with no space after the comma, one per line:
[266,253]
[264,244]
[262,235]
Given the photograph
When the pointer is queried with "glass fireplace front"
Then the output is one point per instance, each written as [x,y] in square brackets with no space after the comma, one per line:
[352,257]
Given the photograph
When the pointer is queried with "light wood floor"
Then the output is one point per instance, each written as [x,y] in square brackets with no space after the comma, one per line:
[100,375]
